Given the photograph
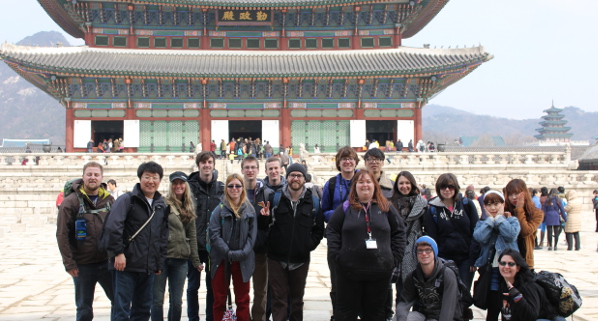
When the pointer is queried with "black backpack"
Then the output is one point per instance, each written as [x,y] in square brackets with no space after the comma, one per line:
[465,299]
[559,292]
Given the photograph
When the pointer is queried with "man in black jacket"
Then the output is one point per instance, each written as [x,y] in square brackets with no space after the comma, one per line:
[135,235]
[296,229]
[207,191]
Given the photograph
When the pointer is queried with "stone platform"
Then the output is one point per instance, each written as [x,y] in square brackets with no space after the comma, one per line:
[34,285]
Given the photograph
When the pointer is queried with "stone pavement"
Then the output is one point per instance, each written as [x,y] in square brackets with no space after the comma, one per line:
[34,285]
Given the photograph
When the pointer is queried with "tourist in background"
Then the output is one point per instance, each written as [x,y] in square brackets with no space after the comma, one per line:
[411,207]
[399,146]
[450,221]
[182,246]
[366,239]
[233,230]
[483,214]
[116,192]
[595,204]
[519,203]
[536,199]
[496,233]
[573,225]
[554,214]
[470,194]
[268,150]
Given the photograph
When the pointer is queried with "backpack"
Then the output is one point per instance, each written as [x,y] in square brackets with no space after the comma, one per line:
[465,299]
[559,292]
[68,190]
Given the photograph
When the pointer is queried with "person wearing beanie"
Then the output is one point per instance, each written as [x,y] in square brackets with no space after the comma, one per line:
[432,286]
[296,228]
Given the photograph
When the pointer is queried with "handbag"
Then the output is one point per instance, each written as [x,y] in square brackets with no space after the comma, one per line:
[481,287]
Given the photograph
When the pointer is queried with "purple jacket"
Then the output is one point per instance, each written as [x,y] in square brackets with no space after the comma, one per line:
[553,207]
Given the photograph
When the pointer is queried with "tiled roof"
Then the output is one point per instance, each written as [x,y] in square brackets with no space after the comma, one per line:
[188,63]
[259,3]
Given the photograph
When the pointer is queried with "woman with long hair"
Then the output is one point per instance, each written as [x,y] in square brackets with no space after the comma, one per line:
[366,239]
[553,213]
[496,233]
[522,298]
[182,246]
[411,206]
[232,231]
[519,203]
[450,220]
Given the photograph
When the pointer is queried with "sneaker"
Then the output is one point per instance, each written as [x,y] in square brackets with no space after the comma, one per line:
[538,247]
[550,248]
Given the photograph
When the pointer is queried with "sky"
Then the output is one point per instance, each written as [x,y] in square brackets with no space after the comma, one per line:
[544,51]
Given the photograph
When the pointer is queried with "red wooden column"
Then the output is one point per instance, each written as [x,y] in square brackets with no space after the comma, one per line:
[418,124]
[205,128]
[69,134]
[285,127]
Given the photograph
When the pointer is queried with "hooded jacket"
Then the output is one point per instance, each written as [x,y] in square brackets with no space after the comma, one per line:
[207,197]
[453,231]
[232,239]
[437,299]
[283,182]
[76,252]
[147,251]
[295,230]
[553,208]
[573,210]
[182,238]
[346,234]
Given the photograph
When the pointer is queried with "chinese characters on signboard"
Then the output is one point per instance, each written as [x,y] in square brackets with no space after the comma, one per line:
[244,17]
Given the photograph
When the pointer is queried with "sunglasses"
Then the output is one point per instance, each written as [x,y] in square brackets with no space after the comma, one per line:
[451,187]
[234,186]
[503,263]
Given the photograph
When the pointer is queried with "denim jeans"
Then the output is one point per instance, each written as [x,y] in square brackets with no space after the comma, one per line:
[194,282]
[85,285]
[175,270]
[133,292]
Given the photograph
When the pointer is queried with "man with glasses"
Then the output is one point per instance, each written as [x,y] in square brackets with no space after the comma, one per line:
[335,192]
[207,191]
[258,194]
[135,235]
[432,286]
[374,161]
[296,229]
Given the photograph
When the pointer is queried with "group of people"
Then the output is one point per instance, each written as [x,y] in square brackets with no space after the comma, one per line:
[107,146]
[379,233]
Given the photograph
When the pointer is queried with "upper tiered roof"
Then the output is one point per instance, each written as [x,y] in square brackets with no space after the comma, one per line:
[65,14]
[401,61]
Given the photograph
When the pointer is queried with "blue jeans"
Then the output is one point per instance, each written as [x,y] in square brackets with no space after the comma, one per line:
[267,155]
[194,281]
[175,270]
[85,285]
[133,293]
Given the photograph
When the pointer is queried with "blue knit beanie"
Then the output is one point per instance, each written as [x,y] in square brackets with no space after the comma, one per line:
[430,241]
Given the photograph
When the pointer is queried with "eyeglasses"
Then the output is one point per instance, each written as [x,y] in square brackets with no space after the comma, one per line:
[296,176]
[373,160]
[503,263]
[347,159]
[422,251]
[234,186]
[451,187]
[151,178]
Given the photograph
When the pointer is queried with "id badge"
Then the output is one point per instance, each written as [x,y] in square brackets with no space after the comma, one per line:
[370,244]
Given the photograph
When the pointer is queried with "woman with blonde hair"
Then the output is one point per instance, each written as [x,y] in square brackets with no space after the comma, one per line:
[232,231]
[519,203]
[182,245]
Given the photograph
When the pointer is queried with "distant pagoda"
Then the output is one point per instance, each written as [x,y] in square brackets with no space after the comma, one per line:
[163,73]
[553,127]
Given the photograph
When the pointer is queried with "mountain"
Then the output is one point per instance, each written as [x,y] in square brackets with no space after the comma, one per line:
[26,112]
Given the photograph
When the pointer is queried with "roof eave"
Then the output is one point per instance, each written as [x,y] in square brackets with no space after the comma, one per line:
[62,18]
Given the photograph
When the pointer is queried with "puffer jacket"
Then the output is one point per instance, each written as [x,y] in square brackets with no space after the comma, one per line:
[573,210]
[146,252]
[182,238]
[499,233]
[81,252]
[436,302]
[453,231]
[207,197]
[232,238]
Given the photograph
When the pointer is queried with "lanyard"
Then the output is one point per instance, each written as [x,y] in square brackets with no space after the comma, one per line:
[366,209]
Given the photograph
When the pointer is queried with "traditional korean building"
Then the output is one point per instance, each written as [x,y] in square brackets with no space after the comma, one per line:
[163,73]
[553,127]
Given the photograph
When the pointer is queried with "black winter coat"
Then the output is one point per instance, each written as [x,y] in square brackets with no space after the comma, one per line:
[207,197]
[261,194]
[294,231]
[146,252]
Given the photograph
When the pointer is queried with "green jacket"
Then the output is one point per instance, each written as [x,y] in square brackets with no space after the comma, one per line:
[182,238]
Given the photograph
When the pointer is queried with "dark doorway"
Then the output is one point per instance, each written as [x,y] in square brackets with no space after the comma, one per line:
[101,130]
[380,130]
[245,129]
